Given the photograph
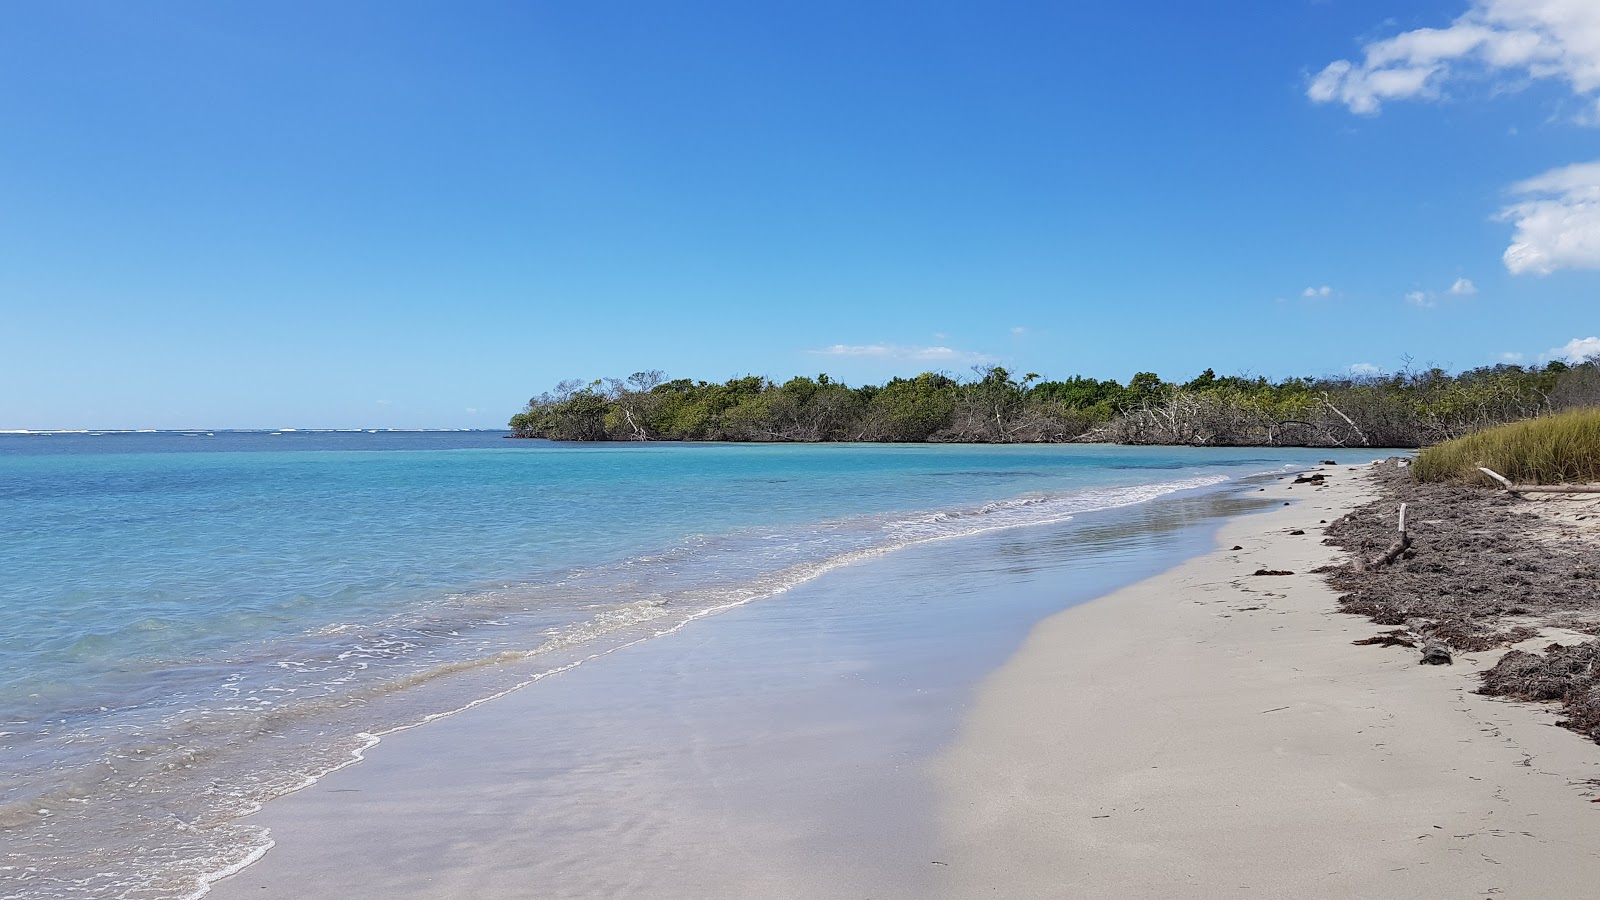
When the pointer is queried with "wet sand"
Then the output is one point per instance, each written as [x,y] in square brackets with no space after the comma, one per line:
[1213,733]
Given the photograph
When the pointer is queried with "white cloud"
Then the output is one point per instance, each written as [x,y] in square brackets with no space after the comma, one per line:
[472,410]
[1019,331]
[1514,39]
[1557,221]
[1324,291]
[1364,369]
[1462,287]
[1510,357]
[899,352]
[1576,350]
[1505,43]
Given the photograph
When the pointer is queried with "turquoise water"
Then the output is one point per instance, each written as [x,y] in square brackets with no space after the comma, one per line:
[197,622]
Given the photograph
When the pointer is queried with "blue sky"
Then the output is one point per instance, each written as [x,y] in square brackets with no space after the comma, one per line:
[419,214]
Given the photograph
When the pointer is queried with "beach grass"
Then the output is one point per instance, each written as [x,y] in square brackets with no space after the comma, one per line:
[1554,449]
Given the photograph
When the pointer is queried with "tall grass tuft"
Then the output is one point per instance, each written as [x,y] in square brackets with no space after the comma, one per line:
[1553,449]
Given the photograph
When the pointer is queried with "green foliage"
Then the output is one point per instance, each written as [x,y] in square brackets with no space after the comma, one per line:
[1098,400]
[573,412]
[1563,447]
[911,410]
[1407,409]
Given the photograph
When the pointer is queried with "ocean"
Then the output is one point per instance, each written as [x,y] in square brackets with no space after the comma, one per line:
[196,622]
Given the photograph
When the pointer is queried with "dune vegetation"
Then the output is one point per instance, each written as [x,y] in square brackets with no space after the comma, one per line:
[1562,447]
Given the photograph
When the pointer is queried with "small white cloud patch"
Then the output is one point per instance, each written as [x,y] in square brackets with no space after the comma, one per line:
[1510,357]
[1311,292]
[1462,287]
[900,352]
[1364,370]
[1509,41]
[1576,350]
[1557,221]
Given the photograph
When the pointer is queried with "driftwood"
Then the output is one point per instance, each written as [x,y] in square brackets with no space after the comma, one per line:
[1399,637]
[1504,481]
[1436,654]
[1396,550]
[1539,488]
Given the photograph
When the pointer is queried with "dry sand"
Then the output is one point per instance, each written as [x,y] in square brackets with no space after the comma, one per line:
[1210,733]
[1581,511]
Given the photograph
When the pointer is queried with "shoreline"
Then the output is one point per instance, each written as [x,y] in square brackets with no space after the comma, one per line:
[1204,732]
[1213,733]
[1073,442]
[778,751]
[165,810]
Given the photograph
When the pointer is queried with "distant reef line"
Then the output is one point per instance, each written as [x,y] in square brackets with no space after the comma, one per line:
[1410,408]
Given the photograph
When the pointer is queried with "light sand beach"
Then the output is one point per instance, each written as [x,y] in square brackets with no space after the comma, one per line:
[1210,733]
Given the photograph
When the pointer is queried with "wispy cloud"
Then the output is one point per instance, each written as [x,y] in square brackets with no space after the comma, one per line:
[1511,357]
[1557,220]
[901,352]
[1310,292]
[1019,331]
[1463,287]
[1576,350]
[1421,298]
[1504,41]
[1363,370]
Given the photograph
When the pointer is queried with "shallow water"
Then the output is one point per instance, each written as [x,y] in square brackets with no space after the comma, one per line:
[197,622]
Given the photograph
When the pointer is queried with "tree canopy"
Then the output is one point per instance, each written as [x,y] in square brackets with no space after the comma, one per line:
[993,405]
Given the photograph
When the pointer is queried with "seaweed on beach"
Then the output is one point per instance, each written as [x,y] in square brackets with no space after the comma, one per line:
[1568,674]
[1481,573]
[1396,638]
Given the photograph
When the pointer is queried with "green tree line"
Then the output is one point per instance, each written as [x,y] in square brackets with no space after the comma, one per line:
[1410,408]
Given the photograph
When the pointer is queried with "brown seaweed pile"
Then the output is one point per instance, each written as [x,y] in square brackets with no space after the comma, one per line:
[1481,573]
[1569,674]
